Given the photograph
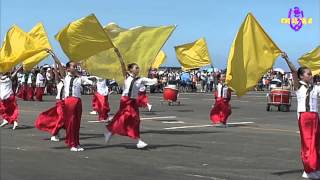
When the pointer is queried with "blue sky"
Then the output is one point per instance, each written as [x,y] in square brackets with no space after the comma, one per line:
[217,21]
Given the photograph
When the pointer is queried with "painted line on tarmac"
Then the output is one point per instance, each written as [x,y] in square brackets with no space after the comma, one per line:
[173,122]
[203,177]
[145,118]
[207,125]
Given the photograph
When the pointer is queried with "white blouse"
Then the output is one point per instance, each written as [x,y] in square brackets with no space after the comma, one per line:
[102,87]
[307,97]
[72,85]
[132,85]
[5,87]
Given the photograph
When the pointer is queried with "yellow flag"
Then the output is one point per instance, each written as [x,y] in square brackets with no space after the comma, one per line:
[40,36]
[137,45]
[83,38]
[311,60]
[251,55]
[193,55]
[17,46]
[159,60]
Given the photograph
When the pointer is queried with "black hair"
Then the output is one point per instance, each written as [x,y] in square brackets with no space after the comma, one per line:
[218,76]
[300,71]
[131,65]
[68,65]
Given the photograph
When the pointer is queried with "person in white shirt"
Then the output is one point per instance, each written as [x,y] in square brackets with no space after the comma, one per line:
[222,109]
[9,109]
[73,105]
[126,121]
[142,98]
[30,83]
[52,120]
[22,90]
[100,103]
[308,119]
[40,85]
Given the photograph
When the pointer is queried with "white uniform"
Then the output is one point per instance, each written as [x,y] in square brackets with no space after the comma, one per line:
[60,91]
[23,78]
[132,85]
[48,76]
[20,78]
[222,90]
[307,97]
[102,87]
[40,80]
[72,85]
[30,78]
[5,87]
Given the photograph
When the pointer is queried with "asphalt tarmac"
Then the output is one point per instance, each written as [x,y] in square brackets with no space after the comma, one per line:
[257,144]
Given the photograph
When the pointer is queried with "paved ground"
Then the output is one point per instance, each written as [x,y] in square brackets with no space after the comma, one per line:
[268,148]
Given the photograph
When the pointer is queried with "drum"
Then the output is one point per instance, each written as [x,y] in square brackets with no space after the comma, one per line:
[170,93]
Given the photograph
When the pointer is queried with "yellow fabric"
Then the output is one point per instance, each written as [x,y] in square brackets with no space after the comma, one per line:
[311,60]
[83,38]
[193,55]
[17,46]
[137,45]
[251,55]
[161,57]
[40,36]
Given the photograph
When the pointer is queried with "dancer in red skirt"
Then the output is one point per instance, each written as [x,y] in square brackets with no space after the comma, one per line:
[30,83]
[308,119]
[73,105]
[222,109]
[9,109]
[22,90]
[126,121]
[40,85]
[142,99]
[53,120]
[100,103]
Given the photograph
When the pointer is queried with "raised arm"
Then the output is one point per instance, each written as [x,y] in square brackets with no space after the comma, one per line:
[293,70]
[58,62]
[123,65]
[56,74]
[16,71]
[148,81]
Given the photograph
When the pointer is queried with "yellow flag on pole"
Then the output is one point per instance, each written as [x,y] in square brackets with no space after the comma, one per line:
[193,55]
[40,36]
[17,46]
[83,38]
[137,45]
[161,57]
[251,55]
[311,60]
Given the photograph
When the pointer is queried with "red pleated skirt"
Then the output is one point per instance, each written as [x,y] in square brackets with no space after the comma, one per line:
[101,105]
[9,109]
[220,111]
[72,115]
[39,93]
[310,137]
[51,120]
[30,93]
[142,99]
[126,122]
[22,92]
